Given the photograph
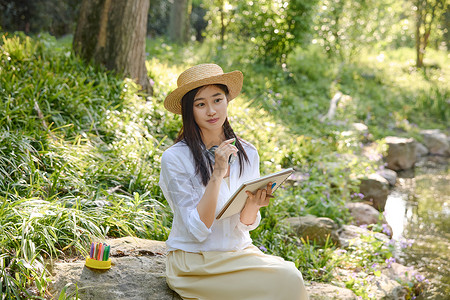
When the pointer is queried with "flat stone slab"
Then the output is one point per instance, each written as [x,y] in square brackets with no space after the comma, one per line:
[137,273]
[134,278]
[132,246]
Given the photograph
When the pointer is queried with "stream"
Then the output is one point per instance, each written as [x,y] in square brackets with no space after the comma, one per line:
[418,210]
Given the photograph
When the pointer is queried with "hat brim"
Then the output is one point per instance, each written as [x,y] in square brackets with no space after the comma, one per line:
[233,80]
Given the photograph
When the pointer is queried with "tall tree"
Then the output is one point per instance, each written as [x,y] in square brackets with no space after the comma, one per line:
[428,12]
[179,26]
[112,33]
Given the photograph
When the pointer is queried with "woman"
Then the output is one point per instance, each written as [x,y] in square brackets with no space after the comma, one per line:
[213,259]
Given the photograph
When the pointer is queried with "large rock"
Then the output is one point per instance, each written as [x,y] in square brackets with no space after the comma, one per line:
[375,189]
[314,228]
[436,142]
[137,273]
[323,291]
[401,153]
[421,150]
[364,214]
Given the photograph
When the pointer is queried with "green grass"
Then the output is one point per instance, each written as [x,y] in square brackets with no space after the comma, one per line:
[77,162]
[80,147]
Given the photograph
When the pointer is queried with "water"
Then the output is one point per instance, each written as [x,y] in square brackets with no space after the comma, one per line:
[418,210]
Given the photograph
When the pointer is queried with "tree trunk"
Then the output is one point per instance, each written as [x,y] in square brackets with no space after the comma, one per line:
[112,33]
[426,14]
[222,25]
[419,54]
[179,20]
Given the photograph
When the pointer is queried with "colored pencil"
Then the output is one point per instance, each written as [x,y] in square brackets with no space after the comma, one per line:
[106,253]
[91,253]
[99,251]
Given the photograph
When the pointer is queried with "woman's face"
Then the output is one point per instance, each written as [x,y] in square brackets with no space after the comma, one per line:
[210,108]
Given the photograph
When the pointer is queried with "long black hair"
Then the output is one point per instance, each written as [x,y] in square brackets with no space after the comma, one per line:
[190,134]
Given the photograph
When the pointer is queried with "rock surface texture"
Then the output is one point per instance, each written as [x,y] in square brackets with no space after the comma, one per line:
[421,150]
[436,142]
[401,153]
[314,229]
[375,189]
[137,273]
[364,214]
[389,175]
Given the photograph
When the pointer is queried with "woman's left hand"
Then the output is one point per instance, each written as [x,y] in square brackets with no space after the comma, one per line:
[261,197]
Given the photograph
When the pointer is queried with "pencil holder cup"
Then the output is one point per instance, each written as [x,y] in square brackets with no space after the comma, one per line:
[98,264]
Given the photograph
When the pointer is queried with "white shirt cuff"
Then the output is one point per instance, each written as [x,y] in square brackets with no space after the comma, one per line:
[197,227]
[250,227]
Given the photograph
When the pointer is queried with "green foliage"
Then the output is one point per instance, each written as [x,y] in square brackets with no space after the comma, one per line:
[374,82]
[64,295]
[427,15]
[271,27]
[344,27]
[367,256]
[274,237]
[80,147]
[318,263]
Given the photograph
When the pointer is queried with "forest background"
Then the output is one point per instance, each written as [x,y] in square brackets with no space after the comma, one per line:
[80,145]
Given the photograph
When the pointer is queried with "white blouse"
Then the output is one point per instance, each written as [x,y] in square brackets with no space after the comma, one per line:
[183,190]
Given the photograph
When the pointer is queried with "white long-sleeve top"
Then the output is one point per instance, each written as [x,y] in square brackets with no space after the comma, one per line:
[183,190]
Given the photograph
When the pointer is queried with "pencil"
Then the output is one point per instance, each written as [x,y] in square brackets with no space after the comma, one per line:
[91,253]
[106,253]
[100,249]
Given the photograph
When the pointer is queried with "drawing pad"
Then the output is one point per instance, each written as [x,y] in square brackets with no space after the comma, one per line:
[237,201]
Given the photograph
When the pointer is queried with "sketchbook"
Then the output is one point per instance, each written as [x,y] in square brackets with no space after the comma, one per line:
[237,201]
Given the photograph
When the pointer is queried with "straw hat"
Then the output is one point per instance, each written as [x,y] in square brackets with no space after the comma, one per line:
[201,75]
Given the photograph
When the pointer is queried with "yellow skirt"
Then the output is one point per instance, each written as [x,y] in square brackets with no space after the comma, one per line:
[236,275]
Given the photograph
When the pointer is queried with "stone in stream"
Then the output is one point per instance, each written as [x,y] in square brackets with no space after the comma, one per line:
[375,189]
[401,153]
[436,142]
[389,175]
[421,150]
[364,214]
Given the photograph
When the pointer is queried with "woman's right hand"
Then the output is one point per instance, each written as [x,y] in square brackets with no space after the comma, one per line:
[222,153]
